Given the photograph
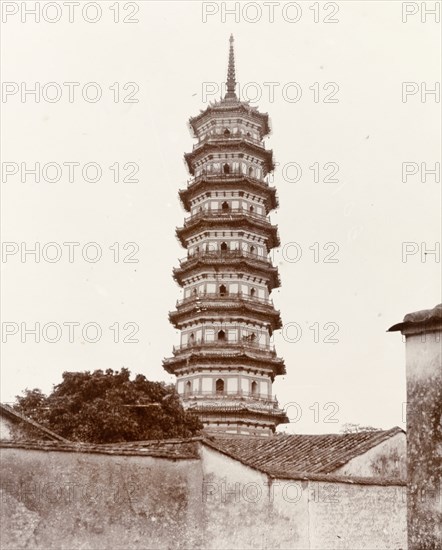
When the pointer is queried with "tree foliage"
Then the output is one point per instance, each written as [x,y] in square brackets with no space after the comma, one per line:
[108,407]
[351,428]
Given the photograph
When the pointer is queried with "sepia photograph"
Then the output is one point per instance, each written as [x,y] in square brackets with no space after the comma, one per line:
[221,277]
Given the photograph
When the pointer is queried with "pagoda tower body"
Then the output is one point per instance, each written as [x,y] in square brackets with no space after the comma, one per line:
[225,365]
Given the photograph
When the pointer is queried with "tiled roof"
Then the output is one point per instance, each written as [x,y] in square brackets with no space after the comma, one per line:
[26,422]
[169,448]
[285,456]
[223,106]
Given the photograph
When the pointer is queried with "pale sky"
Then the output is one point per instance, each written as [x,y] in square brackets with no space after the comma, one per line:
[369,213]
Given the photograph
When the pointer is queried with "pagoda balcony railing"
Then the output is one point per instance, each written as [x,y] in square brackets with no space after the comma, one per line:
[240,296]
[232,175]
[222,213]
[226,254]
[225,344]
[216,138]
[225,395]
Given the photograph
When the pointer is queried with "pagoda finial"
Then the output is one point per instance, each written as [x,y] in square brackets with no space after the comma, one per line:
[231,81]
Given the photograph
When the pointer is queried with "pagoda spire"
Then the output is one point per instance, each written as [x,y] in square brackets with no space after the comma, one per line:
[231,81]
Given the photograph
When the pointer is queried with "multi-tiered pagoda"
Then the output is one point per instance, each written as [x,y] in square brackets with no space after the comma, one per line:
[225,365]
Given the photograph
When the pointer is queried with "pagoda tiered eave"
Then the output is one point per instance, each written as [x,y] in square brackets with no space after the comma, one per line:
[222,109]
[237,308]
[212,182]
[239,410]
[233,220]
[229,145]
[235,358]
[207,262]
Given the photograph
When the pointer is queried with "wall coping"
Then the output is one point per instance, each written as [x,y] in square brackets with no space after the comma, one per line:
[184,449]
[425,320]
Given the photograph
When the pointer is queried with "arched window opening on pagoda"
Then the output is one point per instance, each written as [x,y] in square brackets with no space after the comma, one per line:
[188,388]
[226,169]
[221,336]
[191,339]
[252,249]
[219,386]
[250,171]
[194,292]
[197,249]
[254,388]
[227,132]
[225,206]
[222,290]
[223,247]
[252,292]
[251,209]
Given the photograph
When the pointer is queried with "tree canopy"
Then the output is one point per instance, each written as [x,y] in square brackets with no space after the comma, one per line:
[351,428]
[108,407]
